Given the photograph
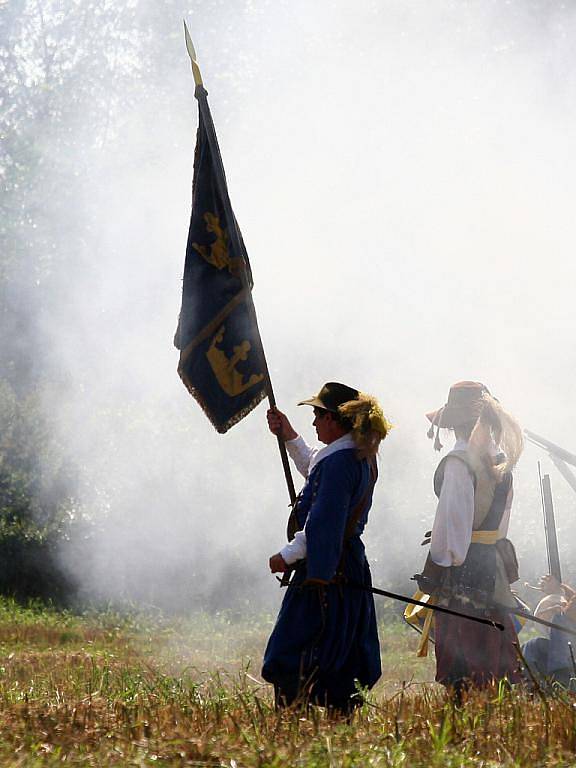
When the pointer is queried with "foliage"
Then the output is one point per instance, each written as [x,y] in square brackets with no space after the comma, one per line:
[37,510]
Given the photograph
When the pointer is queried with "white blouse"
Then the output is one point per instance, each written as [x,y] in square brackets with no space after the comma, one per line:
[452,529]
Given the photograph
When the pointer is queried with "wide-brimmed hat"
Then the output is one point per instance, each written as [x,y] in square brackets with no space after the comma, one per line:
[464,405]
[332,396]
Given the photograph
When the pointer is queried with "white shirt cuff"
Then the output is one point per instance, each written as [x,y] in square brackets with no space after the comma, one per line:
[295,550]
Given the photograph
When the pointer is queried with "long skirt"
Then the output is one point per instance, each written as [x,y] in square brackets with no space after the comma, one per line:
[324,644]
[476,654]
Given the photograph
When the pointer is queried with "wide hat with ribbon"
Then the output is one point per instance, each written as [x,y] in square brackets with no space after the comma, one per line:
[332,396]
[464,405]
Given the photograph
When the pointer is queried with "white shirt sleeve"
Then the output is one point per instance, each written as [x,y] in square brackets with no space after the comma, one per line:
[452,529]
[301,454]
[295,549]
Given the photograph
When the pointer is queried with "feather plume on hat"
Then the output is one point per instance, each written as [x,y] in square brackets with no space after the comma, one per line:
[369,425]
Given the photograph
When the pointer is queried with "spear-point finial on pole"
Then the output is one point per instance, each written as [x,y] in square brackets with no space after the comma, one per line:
[192,54]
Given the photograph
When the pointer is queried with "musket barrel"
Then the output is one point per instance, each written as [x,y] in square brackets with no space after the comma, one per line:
[550,529]
[565,471]
[552,448]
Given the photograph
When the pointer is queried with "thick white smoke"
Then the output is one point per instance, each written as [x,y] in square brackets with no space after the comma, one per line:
[402,174]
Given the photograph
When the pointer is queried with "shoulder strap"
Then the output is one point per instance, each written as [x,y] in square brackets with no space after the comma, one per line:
[358,510]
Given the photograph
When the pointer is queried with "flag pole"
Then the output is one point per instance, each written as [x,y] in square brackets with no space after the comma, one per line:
[201,95]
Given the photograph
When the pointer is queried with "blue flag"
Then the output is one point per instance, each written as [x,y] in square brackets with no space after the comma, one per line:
[221,358]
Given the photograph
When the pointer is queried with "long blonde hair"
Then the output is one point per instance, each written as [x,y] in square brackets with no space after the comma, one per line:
[369,426]
[496,425]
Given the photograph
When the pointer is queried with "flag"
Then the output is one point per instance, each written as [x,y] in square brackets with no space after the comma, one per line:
[221,359]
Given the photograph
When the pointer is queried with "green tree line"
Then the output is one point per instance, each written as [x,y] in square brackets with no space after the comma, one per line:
[68,72]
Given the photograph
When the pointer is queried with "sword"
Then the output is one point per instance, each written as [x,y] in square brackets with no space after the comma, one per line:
[437,608]
[413,601]
[503,608]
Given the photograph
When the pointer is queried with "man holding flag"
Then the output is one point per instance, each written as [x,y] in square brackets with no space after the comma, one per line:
[325,641]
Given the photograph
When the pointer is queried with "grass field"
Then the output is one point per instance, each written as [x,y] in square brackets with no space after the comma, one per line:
[107,690]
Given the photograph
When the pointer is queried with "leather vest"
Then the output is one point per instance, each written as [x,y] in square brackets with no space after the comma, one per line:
[477,574]
[489,496]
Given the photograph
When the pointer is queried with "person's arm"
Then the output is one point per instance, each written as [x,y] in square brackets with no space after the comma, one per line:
[570,610]
[568,591]
[277,564]
[452,529]
[550,606]
[300,452]
[293,551]
[296,549]
[326,523]
[551,586]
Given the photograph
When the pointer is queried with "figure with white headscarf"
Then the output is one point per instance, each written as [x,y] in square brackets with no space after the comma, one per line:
[324,646]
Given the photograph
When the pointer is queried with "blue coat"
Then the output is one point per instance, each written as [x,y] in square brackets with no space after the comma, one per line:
[325,637]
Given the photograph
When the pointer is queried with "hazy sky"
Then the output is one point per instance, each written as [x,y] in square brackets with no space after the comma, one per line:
[403,175]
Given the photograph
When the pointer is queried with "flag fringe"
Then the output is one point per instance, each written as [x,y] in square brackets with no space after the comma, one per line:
[238,416]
